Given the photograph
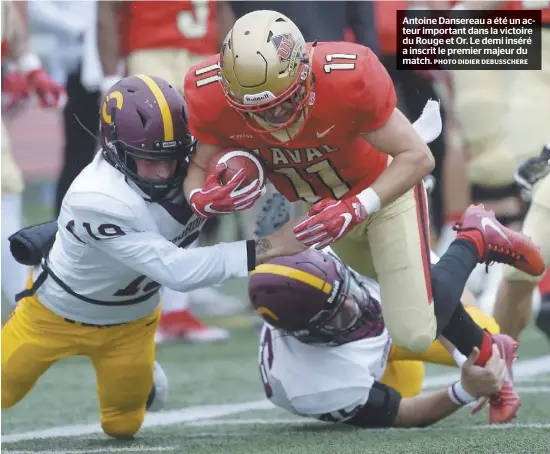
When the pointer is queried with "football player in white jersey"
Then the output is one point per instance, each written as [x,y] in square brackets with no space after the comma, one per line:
[122,234]
[325,351]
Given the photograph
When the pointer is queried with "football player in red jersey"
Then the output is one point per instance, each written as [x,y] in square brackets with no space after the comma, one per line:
[323,119]
[168,36]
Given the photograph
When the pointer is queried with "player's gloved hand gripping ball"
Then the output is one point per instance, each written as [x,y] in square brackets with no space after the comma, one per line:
[236,179]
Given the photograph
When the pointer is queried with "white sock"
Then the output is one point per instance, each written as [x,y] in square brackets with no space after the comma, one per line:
[459,358]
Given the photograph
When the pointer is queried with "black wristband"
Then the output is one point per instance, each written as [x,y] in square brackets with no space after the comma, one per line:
[251,254]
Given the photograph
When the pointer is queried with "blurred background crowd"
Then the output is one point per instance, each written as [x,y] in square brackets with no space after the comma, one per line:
[493,120]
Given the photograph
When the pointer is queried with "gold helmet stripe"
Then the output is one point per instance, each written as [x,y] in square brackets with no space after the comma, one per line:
[299,275]
[163,106]
[267,313]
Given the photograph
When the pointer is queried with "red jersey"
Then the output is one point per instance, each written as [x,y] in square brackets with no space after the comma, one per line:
[386,24]
[189,25]
[329,158]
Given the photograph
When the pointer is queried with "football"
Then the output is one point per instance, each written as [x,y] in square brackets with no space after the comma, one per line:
[159,395]
[236,159]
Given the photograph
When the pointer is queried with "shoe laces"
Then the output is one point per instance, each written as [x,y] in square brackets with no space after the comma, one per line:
[499,253]
[506,394]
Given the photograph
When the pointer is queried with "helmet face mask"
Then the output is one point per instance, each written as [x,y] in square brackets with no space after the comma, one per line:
[316,298]
[265,72]
[336,325]
[135,129]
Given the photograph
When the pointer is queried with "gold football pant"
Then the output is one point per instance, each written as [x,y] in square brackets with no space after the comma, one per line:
[405,369]
[170,64]
[504,117]
[123,357]
[393,248]
[537,227]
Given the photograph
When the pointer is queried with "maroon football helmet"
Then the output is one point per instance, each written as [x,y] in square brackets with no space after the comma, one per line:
[316,298]
[144,117]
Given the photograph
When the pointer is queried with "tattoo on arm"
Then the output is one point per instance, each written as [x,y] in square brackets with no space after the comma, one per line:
[263,247]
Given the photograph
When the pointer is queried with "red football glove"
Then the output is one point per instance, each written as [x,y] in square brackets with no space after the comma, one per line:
[329,220]
[49,92]
[15,87]
[213,199]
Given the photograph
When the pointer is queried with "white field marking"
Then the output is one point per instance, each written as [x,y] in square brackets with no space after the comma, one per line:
[164,418]
[101,450]
[533,389]
[291,421]
[522,369]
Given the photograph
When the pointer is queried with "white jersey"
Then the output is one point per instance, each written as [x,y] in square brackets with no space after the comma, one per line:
[322,381]
[114,250]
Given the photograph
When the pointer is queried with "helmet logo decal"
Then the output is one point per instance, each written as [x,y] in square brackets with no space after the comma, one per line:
[267,313]
[117,96]
[163,106]
[284,44]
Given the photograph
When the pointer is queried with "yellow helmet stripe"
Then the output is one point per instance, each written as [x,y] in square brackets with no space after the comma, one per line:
[163,106]
[267,313]
[293,273]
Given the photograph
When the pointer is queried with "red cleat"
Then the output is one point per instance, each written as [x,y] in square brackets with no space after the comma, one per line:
[505,404]
[182,325]
[496,243]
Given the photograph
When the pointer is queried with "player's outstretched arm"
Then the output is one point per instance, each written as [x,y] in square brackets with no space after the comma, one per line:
[123,234]
[476,382]
[412,159]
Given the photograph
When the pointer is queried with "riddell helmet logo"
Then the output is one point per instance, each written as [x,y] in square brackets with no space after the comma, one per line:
[258,98]
[334,293]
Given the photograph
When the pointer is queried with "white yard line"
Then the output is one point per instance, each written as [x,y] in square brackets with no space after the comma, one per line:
[522,369]
[165,418]
[194,415]
[101,450]
[533,389]
[290,421]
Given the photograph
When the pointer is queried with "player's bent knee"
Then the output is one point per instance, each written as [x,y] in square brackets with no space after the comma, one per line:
[412,339]
[123,426]
[12,392]
[416,335]
[8,400]
[417,343]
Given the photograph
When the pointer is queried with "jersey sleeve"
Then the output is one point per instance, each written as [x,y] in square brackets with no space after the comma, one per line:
[114,228]
[380,409]
[375,97]
[200,86]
